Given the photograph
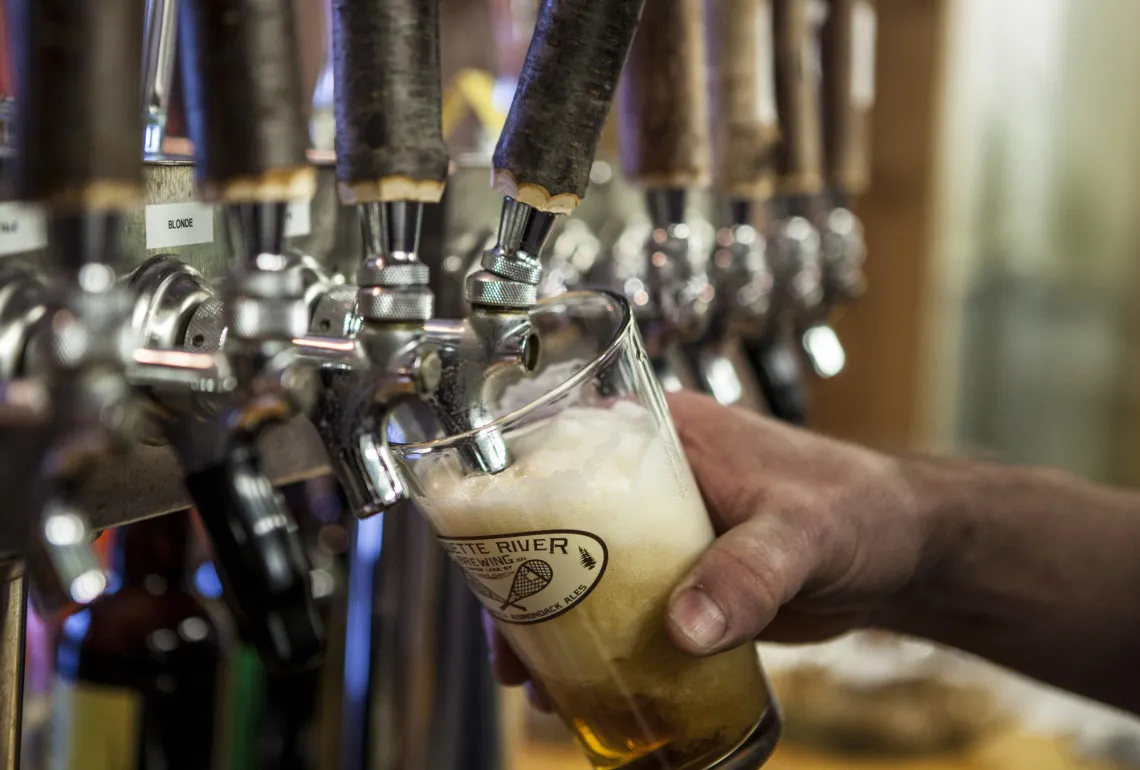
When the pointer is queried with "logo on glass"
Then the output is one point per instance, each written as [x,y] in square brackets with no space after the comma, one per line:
[529,577]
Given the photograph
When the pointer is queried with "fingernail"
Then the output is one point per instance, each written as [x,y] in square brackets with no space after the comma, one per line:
[699,618]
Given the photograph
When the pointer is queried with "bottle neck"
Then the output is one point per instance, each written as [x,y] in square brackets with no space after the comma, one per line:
[158,547]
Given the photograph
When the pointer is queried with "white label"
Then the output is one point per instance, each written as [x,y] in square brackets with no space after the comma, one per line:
[530,577]
[864,31]
[178,224]
[765,67]
[298,219]
[22,228]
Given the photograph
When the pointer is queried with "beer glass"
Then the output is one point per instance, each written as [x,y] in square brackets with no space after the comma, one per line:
[576,546]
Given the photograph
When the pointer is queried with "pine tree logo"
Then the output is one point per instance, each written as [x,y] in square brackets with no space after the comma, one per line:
[588,561]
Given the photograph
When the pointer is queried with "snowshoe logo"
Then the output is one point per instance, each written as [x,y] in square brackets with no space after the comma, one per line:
[530,577]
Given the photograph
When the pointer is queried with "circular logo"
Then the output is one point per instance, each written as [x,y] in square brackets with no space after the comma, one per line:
[529,577]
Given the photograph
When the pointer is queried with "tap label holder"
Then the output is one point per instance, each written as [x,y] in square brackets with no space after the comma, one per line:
[23,228]
[179,224]
[530,577]
[299,219]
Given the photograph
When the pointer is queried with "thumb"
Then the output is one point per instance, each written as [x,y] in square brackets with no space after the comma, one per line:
[741,582]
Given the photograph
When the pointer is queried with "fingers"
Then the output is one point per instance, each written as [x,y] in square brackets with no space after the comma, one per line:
[537,697]
[791,626]
[505,665]
[731,452]
[741,582]
[509,670]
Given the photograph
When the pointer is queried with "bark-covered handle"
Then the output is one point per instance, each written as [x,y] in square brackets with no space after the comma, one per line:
[389,138]
[243,100]
[663,99]
[572,69]
[80,125]
[742,90]
[848,54]
[798,153]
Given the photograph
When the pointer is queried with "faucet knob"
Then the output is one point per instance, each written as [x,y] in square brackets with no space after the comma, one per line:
[512,269]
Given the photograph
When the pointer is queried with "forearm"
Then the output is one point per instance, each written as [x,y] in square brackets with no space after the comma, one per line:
[1033,569]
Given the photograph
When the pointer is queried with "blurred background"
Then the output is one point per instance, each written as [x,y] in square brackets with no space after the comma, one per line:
[1002,227]
[1000,320]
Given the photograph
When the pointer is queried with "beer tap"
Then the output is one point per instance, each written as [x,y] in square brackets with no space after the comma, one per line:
[244,111]
[664,140]
[391,159]
[847,44]
[64,401]
[793,243]
[744,131]
[86,170]
[542,164]
[387,75]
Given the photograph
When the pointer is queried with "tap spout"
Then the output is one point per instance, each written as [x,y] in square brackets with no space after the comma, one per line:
[480,356]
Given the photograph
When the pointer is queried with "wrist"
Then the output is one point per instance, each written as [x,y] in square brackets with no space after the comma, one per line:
[938,493]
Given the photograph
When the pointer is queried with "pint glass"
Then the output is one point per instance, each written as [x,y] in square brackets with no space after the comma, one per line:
[576,546]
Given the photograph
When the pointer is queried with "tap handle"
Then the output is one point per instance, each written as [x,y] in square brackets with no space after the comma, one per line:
[847,44]
[798,154]
[260,557]
[242,86]
[552,131]
[663,99]
[389,135]
[742,95]
[779,372]
[86,56]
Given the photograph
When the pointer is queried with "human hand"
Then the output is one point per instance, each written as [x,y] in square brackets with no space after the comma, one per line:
[818,536]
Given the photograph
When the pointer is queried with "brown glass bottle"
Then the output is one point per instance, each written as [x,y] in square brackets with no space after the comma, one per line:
[138,668]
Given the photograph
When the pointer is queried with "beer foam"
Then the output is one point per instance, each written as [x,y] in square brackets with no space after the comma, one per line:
[611,472]
[619,474]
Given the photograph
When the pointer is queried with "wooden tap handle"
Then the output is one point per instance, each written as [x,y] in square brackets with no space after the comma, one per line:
[848,55]
[80,134]
[568,82]
[742,90]
[389,135]
[798,154]
[663,99]
[242,86]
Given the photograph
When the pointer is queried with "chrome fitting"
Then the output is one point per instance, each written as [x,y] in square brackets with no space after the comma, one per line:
[512,269]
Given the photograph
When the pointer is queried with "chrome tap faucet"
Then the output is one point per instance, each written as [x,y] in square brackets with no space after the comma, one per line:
[66,402]
[664,141]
